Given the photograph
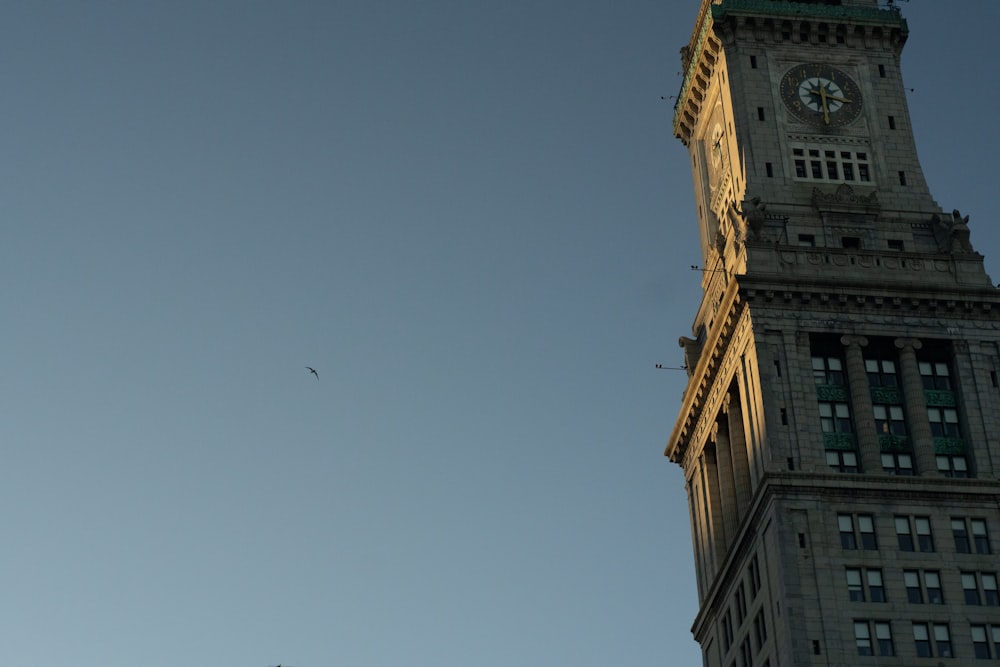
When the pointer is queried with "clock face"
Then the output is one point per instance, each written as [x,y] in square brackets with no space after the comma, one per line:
[716,145]
[821,95]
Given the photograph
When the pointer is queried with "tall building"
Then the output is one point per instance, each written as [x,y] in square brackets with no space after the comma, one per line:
[840,430]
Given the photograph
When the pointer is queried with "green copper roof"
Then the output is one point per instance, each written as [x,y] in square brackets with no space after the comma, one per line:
[783,8]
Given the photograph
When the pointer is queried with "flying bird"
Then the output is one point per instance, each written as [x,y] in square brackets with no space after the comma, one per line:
[313,371]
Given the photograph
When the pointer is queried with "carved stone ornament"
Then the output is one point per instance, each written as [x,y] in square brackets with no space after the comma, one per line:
[952,234]
[844,197]
[751,218]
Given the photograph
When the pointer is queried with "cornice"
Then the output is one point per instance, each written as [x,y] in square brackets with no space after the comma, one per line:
[701,53]
[703,377]
[880,298]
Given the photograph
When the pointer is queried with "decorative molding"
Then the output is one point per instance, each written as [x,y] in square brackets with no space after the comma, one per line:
[949,446]
[845,200]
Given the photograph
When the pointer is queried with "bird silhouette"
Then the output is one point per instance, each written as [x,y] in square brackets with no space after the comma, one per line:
[313,371]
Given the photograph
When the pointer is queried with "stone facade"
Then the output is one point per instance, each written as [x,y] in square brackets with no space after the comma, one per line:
[844,363]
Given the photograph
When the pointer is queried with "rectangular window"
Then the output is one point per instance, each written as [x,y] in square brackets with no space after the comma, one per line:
[882,372]
[848,540]
[897,464]
[914,593]
[904,535]
[991,596]
[952,465]
[875,587]
[807,240]
[769,169]
[863,638]
[828,370]
[980,588]
[922,634]
[922,640]
[814,163]
[932,584]
[944,422]
[934,375]
[979,536]
[883,635]
[855,589]
[760,113]
[902,178]
[866,528]
[970,587]
[924,538]
[835,418]
[857,531]
[895,244]
[980,644]
[753,62]
[889,420]
[942,640]
[850,242]
[842,460]
[961,535]
[892,122]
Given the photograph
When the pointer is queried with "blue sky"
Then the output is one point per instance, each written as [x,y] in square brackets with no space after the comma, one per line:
[472,220]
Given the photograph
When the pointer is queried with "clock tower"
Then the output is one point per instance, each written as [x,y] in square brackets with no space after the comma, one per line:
[840,431]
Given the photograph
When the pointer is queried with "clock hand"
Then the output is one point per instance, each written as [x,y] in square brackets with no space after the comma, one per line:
[826,108]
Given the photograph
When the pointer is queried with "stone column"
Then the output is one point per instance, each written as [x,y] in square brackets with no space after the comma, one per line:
[693,511]
[916,406]
[716,507]
[738,445]
[727,482]
[861,404]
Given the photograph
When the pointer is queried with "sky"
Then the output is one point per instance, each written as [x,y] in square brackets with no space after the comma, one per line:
[472,219]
